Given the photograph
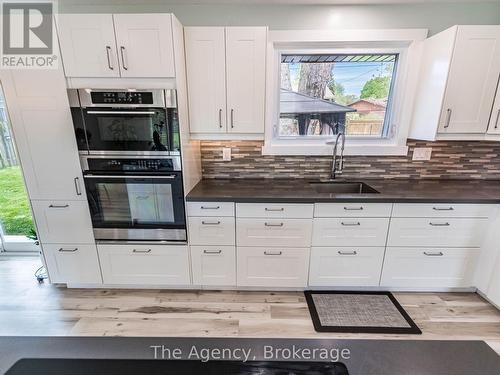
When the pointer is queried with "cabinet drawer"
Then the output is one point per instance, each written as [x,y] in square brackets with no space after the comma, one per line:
[346,266]
[205,231]
[352,209]
[277,267]
[214,265]
[421,267]
[274,232]
[437,232]
[144,264]
[72,263]
[353,231]
[210,208]
[274,210]
[441,210]
[63,222]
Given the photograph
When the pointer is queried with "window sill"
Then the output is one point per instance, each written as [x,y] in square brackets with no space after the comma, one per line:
[316,150]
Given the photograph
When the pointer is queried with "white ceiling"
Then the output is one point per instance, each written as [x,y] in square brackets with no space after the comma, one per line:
[324,2]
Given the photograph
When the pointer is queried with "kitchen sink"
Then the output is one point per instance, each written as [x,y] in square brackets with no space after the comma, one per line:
[342,187]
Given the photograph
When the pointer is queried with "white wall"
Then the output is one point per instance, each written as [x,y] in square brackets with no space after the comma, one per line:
[435,17]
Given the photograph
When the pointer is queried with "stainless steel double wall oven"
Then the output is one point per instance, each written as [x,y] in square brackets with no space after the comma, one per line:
[129,145]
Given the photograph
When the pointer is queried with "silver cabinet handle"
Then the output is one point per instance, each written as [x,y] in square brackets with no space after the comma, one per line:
[220,118]
[232,118]
[347,252]
[63,250]
[448,118]
[131,113]
[108,50]
[273,225]
[443,208]
[77,186]
[210,222]
[122,50]
[498,117]
[353,208]
[212,251]
[439,254]
[209,207]
[59,206]
[273,252]
[274,209]
[439,224]
[350,224]
[137,251]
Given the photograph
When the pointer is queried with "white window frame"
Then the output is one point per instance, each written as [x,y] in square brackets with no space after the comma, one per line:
[406,43]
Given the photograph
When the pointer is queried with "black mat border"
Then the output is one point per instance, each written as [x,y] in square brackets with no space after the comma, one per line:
[414,330]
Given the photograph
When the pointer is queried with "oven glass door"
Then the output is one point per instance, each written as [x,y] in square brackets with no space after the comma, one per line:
[125,129]
[152,206]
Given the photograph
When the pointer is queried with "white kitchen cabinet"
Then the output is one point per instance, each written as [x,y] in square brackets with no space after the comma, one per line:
[226,79]
[458,79]
[429,267]
[348,209]
[63,222]
[72,263]
[214,265]
[273,232]
[494,124]
[352,231]
[274,210]
[276,267]
[346,266]
[437,210]
[210,208]
[140,264]
[88,45]
[118,45]
[493,292]
[211,230]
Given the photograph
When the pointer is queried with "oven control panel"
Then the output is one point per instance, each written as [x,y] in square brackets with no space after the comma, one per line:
[121,97]
[132,164]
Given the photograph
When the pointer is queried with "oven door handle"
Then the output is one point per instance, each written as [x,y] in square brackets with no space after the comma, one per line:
[121,112]
[166,177]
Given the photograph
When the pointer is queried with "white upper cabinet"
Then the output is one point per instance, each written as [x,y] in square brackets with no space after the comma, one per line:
[145,45]
[226,79]
[459,75]
[206,72]
[88,45]
[119,45]
[246,74]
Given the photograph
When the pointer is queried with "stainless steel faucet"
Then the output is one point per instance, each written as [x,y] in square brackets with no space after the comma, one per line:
[337,169]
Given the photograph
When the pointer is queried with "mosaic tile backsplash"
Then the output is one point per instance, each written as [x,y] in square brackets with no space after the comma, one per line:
[450,160]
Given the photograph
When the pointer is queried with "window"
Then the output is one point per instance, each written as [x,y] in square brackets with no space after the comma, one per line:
[324,94]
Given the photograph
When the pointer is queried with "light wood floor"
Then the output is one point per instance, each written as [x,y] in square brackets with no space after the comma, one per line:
[27,308]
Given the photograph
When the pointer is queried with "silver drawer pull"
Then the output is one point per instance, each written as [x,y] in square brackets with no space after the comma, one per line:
[210,222]
[353,208]
[439,254]
[347,252]
[350,224]
[145,251]
[274,209]
[273,252]
[59,206]
[63,250]
[273,225]
[212,251]
[439,224]
[443,208]
[209,207]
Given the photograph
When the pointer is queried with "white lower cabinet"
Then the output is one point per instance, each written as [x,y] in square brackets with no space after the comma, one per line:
[273,232]
[346,266]
[352,231]
[272,267]
[216,230]
[72,263]
[144,264]
[214,265]
[429,267]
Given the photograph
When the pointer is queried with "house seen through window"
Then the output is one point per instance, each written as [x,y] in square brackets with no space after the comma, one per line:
[322,95]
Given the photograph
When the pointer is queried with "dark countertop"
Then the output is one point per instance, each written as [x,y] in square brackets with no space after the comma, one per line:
[301,191]
[374,357]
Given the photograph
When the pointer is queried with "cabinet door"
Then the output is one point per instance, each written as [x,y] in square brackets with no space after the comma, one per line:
[494,125]
[214,265]
[355,231]
[472,80]
[88,45]
[145,45]
[493,293]
[69,263]
[41,122]
[212,230]
[206,78]
[246,74]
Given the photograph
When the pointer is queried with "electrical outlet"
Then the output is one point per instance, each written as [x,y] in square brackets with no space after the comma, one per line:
[226,153]
[422,153]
